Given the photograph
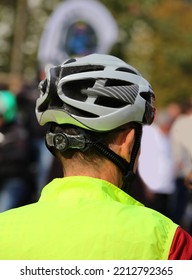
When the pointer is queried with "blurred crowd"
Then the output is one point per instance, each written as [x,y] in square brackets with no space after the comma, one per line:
[164,176]
[25,163]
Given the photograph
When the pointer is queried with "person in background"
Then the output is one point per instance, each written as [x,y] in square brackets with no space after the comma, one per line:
[181,139]
[15,189]
[156,165]
[95,107]
[40,158]
[174,109]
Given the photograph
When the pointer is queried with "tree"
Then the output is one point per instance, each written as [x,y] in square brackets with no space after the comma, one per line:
[154,36]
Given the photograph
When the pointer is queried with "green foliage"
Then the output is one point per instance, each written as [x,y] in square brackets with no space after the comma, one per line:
[155,36]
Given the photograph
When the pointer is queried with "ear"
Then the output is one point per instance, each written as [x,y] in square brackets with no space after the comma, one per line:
[127,144]
[124,144]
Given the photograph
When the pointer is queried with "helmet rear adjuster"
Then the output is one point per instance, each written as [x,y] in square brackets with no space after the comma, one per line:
[63,141]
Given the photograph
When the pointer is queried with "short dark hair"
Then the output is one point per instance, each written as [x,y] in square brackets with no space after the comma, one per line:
[90,154]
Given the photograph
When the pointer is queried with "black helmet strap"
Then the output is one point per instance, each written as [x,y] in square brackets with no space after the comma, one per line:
[125,167]
[130,175]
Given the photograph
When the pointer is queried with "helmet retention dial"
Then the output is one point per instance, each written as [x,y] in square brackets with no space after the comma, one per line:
[63,141]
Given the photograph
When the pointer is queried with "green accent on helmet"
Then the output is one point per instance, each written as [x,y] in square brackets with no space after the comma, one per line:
[8,105]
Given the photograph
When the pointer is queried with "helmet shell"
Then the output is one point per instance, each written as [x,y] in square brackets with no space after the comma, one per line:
[96,92]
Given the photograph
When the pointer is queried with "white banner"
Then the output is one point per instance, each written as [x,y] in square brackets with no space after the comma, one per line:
[77,28]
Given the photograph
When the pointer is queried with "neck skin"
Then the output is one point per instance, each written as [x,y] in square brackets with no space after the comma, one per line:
[103,168]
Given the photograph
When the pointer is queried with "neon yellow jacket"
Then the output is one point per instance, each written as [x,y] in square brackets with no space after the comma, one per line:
[84,218]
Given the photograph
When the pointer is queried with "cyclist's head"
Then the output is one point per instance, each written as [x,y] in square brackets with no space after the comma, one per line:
[97,94]
[8,106]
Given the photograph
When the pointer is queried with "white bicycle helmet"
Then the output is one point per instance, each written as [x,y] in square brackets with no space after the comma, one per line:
[96,92]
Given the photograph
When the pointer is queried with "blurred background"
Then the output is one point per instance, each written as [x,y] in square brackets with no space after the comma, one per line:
[154,35]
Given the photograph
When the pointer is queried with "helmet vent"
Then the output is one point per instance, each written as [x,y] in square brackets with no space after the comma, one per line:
[127,70]
[109,102]
[76,90]
[149,96]
[113,96]
[70,60]
[65,71]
